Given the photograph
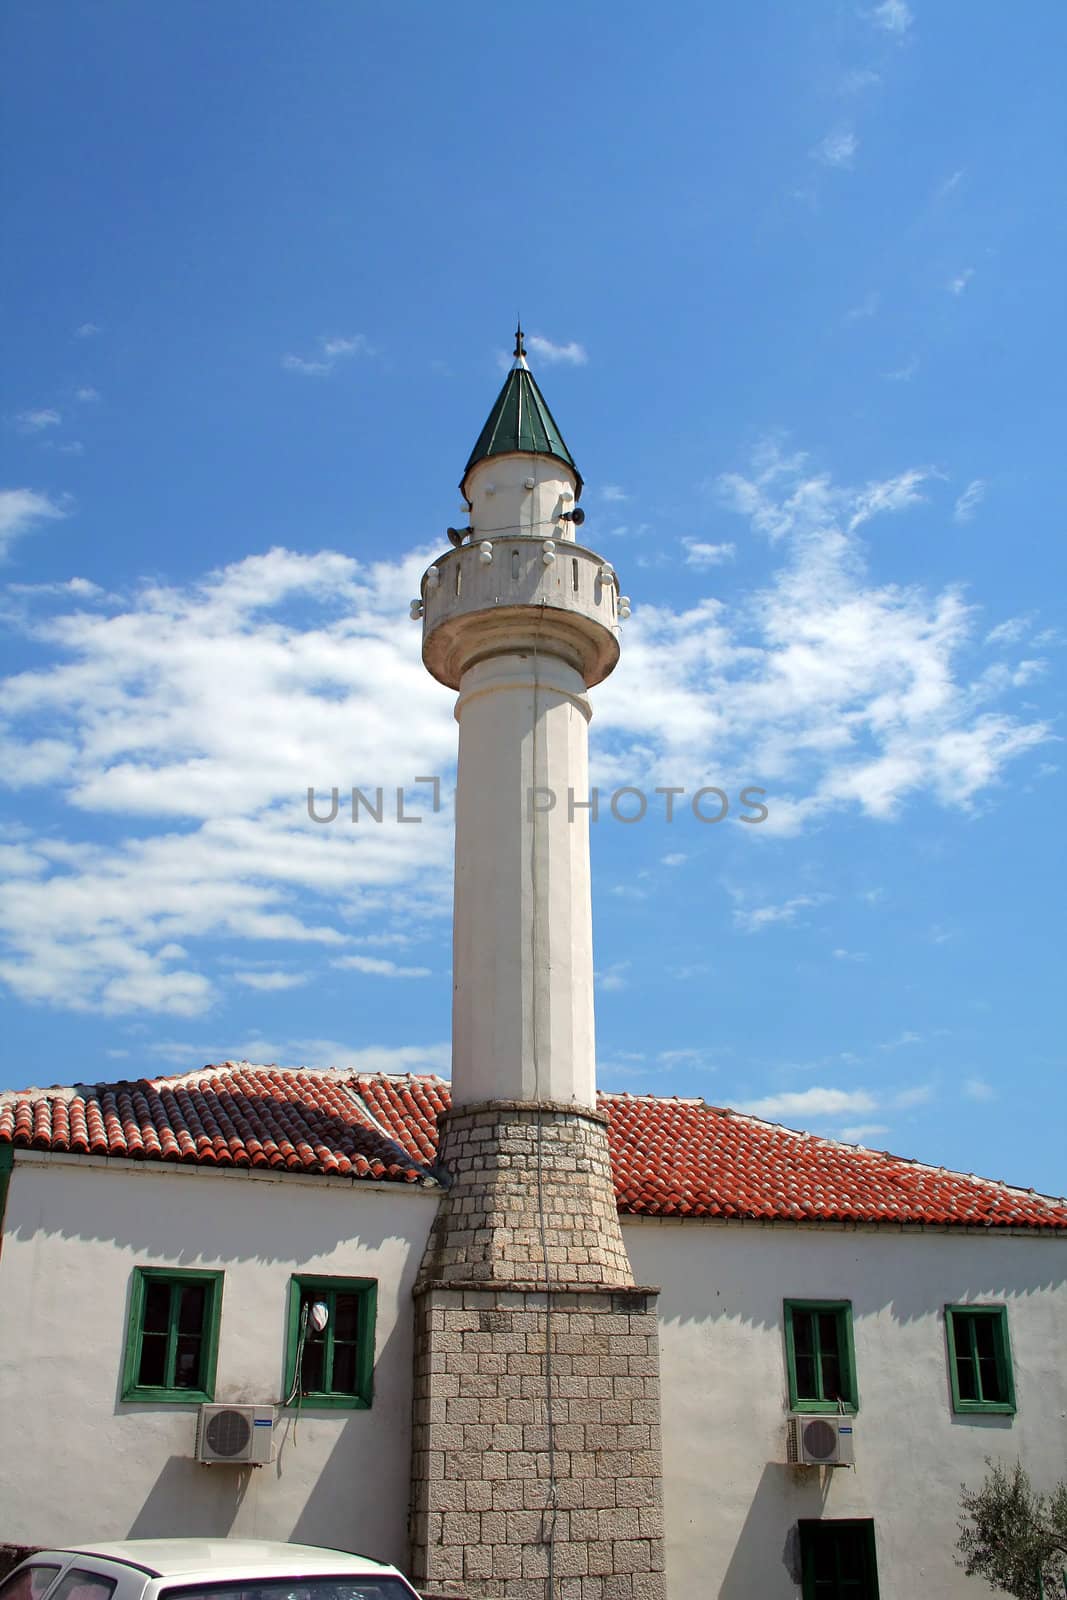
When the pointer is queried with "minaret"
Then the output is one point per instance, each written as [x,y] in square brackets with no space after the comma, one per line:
[536,1451]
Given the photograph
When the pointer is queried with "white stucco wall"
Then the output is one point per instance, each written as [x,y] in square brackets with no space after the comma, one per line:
[731,1503]
[76,1463]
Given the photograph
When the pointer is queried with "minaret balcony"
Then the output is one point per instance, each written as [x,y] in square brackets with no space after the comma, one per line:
[518,594]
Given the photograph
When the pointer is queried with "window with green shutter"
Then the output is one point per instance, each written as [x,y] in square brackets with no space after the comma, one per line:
[820,1357]
[979,1358]
[172,1335]
[334,1366]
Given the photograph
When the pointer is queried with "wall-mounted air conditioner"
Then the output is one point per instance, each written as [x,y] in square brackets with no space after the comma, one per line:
[238,1436]
[820,1441]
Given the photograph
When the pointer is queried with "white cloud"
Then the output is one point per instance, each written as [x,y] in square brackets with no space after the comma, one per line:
[352,1058]
[698,554]
[572,354]
[379,967]
[960,281]
[268,982]
[850,955]
[905,373]
[979,1089]
[761,917]
[675,859]
[951,182]
[86,331]
[860,1131]
[331,349]
[611,491]
[902,1041]
[87,395]
[974,493]
[38,421]
[838,149]
[613,978]
[1009,631]
[893,16]
[867,307]
[921,1095]
[862,78]
[199,715]
[811,1103]
[21,510]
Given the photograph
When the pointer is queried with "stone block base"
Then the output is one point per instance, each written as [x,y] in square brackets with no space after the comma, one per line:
[537,1443]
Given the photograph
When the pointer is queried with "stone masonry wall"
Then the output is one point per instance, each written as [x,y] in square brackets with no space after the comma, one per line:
[500,1157]
[483,1510]
[536,1446]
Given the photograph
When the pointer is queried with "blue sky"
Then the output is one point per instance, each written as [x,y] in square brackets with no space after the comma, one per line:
[793,279]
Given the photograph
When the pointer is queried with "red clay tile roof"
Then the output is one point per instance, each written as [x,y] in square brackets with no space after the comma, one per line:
[671,1158]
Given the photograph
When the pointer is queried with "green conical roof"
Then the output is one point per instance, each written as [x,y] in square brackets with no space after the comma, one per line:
[520,420]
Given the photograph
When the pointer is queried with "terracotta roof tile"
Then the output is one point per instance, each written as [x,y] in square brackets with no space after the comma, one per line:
[671,1158]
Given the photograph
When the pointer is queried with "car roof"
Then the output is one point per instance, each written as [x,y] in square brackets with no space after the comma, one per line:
[269,1558]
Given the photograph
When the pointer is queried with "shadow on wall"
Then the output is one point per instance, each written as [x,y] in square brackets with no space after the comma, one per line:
[783,1495]
[209,1500]
[714,1271]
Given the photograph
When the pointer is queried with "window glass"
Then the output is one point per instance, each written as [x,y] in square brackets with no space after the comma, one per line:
[30,1583]
[980,1358]
[838,1560]
[819,1354]
[336,1362]
[172,1334]
[76,1584]
[326,1588]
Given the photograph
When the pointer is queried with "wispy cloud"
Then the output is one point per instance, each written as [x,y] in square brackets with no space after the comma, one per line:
[379,967]
[902,1041]
[811,1103]
[905,373]
[850,955]
[960,281]
[892,16]
[867,307]
[953,181]
[971,497]
[353,1058]
[613,978]
[857,81]
[612,491]
[699,554]
[270,982]
[22,510]
[87,395]
[1009,631]
[572,354]
[87,330]
[979,1089]
[331,350]
[757,918]
[838,149]
[859,1132]
[38,421]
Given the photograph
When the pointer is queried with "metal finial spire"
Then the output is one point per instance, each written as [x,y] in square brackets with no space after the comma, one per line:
[520,342]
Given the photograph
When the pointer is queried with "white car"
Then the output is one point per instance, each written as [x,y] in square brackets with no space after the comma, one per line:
[203,1569]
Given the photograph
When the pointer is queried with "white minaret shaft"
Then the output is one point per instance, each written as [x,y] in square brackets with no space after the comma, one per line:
[522,1014]
[522,620]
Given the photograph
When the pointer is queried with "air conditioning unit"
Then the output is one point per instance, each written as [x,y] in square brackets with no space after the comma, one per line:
[820,1441]
[237,1436]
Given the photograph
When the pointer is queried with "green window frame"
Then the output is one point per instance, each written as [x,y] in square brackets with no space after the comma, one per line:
[820,1355]
[979,1359]
[837,1559]
[172,1335]
[338,1363]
